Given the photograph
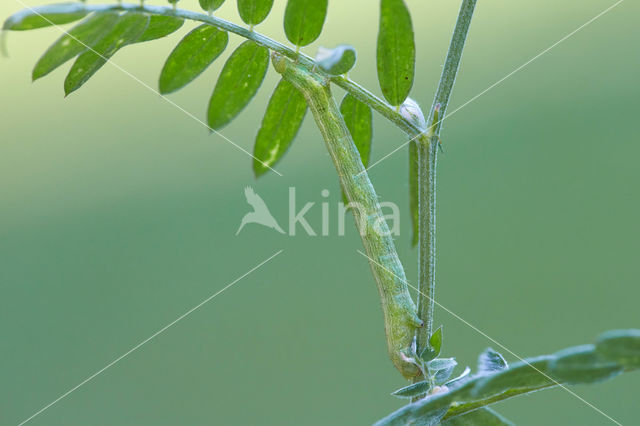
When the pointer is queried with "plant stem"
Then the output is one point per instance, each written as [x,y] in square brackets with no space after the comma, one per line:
[427,145]
[461,409]
[350,86]
[427,159]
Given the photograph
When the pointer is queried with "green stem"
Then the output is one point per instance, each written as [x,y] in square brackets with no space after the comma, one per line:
[427,145]
[401,320]
[350,86]
[427,161]
[465,408]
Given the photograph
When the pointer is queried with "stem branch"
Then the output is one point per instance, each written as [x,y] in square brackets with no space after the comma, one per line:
[427,159]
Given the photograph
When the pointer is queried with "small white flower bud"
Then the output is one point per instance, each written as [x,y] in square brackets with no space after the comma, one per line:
[411,111]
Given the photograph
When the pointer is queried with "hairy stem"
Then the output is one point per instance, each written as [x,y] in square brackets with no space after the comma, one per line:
[427,145]
[350,86]
[427,161]
[465,408]
[400,314]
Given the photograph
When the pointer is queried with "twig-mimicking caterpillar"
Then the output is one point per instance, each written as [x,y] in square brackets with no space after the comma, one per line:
[400,313]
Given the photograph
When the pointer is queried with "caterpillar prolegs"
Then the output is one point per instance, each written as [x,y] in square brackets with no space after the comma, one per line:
[400,313]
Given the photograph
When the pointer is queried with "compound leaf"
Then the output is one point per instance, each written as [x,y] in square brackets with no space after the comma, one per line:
[581,364]
[72,44]
[160,26]
[303,20]
[281,122]
[127,30]
[239,81]
[45,16]
[195,52]
[395,51]
[253,12]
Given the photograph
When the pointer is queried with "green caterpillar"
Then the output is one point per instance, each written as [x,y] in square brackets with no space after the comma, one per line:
[400,313]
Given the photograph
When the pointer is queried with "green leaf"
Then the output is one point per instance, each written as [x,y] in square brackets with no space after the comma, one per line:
[160,26]
[359,120]
[620,346]
[533,373]
[285,113]
[435,341]
[458,380]
[303,20]
[432,350]
[443,367]
[441,364]
[414,194]
[480,417]
[210,5]
[414,390]
[195,52]
[395,51]
[129,27]
[433,405]
[239,81]
[337,61]
[574,365]
[254,12]
[443,375]
[490,361]
[45,16]
[70,45]
[582,364]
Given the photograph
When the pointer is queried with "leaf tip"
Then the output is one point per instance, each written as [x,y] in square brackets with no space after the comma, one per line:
[36,75]
[259,169]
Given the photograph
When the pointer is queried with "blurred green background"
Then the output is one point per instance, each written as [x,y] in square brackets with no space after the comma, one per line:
[118,213]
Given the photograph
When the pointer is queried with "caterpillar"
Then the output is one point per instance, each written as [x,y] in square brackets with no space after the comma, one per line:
[400,314]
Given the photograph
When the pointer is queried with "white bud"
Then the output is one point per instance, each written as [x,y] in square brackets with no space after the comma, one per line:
[411,111]
[323,54]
